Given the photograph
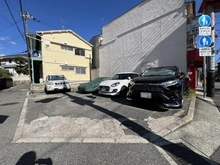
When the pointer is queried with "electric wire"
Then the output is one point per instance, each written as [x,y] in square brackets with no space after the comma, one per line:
[8,26]
[14,19]
[21,8]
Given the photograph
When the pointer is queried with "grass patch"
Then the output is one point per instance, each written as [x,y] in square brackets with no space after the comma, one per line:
[191,93]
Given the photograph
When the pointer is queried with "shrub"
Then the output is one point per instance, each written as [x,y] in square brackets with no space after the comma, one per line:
[5,74]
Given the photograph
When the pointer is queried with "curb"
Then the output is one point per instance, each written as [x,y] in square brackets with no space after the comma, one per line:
[179,123]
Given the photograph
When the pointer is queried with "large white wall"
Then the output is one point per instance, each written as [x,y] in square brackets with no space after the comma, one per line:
[153,31]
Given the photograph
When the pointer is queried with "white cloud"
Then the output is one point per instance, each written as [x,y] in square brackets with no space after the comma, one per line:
[12,42]
[4,38]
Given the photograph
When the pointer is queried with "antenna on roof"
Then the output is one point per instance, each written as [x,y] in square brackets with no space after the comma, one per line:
[103,20]
[62,21]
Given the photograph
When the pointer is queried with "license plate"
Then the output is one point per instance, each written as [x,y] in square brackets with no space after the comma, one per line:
[103,89]
[146,95]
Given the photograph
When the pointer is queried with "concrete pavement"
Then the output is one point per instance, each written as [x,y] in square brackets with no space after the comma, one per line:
[202,134]
[104,121]
[198,130]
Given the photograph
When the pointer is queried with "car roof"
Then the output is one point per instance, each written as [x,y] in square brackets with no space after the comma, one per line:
[55,75]
[165,67]
[127,73]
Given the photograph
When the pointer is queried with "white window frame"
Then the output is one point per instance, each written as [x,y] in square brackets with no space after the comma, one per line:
[82,70]
[68,48]
[67,68]
[81,52]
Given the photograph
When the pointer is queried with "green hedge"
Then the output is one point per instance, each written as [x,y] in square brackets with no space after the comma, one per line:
[5,74]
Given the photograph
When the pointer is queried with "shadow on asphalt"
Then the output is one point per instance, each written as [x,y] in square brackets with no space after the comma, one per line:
[9,103]
[136,104]
[146,134]
[30,158]
[3,118]
[47,100]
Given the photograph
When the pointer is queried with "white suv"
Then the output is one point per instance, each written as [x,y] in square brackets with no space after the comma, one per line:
[56,83]
[118,85]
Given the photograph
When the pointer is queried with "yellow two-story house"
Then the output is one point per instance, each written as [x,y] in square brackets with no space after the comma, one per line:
[64,52]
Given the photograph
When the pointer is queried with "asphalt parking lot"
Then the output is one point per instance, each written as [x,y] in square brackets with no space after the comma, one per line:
[80,116]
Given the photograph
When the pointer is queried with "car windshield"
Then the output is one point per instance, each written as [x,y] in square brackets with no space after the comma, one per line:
[123,76]
[159,72]
[56,77]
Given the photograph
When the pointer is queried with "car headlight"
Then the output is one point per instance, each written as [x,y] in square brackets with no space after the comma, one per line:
[115,84]
[131,83]
[170,83]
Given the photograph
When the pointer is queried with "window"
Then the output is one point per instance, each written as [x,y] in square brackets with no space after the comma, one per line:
[67,48]
[79,52]
[56,77]
[123,76]
[80,70]
[71,68]
[67,68]
[64,67]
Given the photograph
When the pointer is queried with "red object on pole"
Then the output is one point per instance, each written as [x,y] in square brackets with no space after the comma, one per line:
[192,76]
[193,58]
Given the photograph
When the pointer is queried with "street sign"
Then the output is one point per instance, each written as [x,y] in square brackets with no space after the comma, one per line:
[205,31]
[205,41]
[204,20]
[206,51]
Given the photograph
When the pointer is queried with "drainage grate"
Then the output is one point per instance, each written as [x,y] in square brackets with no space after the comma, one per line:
[182,155]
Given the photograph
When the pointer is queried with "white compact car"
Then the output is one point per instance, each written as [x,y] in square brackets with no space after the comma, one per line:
[118,85]
[56,83]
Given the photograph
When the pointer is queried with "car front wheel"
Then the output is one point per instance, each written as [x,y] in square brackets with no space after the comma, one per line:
[123,91]
[46,91]
[181,97]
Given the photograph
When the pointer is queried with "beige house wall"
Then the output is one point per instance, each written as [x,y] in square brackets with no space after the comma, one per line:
[54,57]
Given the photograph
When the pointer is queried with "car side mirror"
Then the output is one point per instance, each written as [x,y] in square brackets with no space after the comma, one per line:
[129,78]
[182,74]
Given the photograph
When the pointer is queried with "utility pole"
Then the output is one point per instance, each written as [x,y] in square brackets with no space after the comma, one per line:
[27,16]
[211,59]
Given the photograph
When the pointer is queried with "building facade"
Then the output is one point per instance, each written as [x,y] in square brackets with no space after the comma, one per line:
[96,41]
[63,52]
[153,33]
[8,62]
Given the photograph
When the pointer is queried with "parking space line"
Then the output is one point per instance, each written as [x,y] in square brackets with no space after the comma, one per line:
[20,125]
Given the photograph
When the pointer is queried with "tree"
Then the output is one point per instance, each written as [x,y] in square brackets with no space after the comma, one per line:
[5,74]
[22,66]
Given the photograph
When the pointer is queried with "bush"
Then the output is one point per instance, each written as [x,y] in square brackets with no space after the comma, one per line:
[5,74]
[192,93]
[22,66]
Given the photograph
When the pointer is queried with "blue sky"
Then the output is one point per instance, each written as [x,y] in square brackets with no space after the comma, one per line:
[85,17]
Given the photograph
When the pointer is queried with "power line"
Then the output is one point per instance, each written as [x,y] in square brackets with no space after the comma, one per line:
[47,25]
[6,27]
[5,18]
[22,17]
[14,19]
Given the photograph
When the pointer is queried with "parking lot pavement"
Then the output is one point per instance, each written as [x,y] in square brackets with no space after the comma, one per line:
[76,117]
